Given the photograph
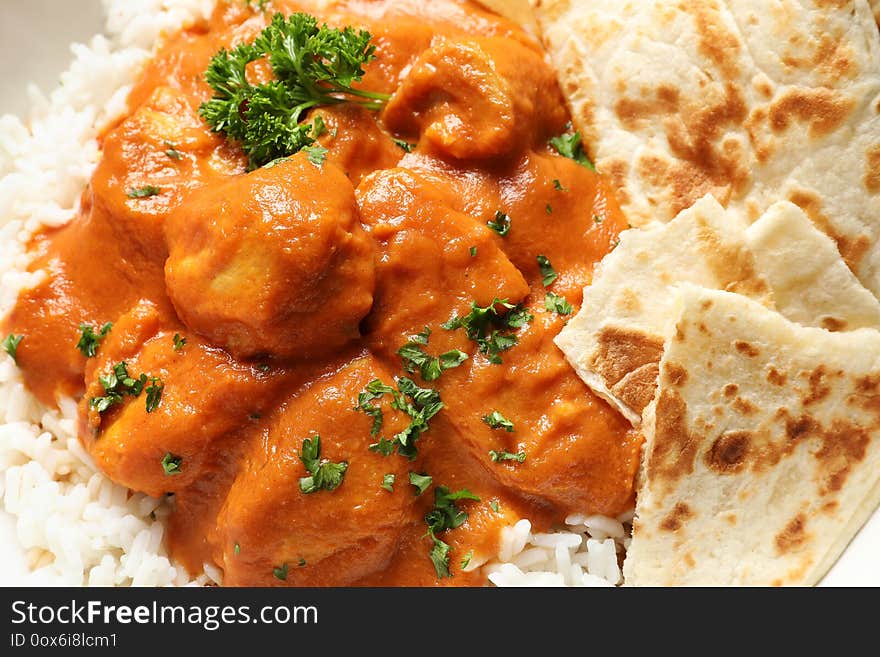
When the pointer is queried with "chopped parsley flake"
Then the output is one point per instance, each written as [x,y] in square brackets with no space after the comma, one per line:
[420,404]
[118,383]
[557,304]
[154,393]
[316,155]
[171,464]
[408,147]
[10,345]
[179,342]
[467,559]
[497,421]
[89,340]
[420,481]
[144,192]
[301,563]
[501,223]
[558,186]
[547,271]
[494,506]
[597,219]
[548,208]
[281,573]
[172,152]
[388,482]
[237,549]
[473,252]
[430,367]
[519,457]
[323,474]
[484,325]
[569,145]
[445,516]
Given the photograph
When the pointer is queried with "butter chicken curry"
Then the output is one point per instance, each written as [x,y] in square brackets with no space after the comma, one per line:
[328,332]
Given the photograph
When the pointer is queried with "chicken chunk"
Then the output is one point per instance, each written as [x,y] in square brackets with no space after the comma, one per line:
[274,262]
[275,529]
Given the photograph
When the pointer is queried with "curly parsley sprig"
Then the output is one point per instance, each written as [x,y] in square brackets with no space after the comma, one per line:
[313,66]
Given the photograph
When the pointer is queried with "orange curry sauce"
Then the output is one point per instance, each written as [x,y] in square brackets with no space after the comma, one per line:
[295,285]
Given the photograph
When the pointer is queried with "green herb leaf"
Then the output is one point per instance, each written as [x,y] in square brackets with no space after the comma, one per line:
[118,383]
[281,573]
[597,219]
[446,515]
[388,482]
[313,66]
[501,223]
[494,506]
[171,464]
[89,340]
[144,192]
[497,421]
[439,555]
[420,404]
[558,304]
[558,186]
[430,367]
[324,475]
[405,145]
[172,152]
[467,559]
[473,252]
[569,145]
[519,457]
[480,323]
[421,482]
[154,394]
[548,208]
[10,345]
[237,549]
[547,271]
[179,342]
[316,155]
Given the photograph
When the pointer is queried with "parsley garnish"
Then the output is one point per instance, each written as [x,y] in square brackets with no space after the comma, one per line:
[431,367]
[481,322]
[494,505]
[467,559]
[10,345]
[519,457]
[421,482]
[388,482]
[405,145]
[281,573]
[179,342]
[154,393]
[445,516]
[558,186]
[569,145]
[558,304]
[497,421]
[549,208]
[172,152]
[547,271]
[312,66]
[89,341]
[597,219]
[323,474]
[118,383]
[144,192]
[171,464]
[473,252]
[301,563]
[237,549]
[421,404]
[316,154]
[501,223]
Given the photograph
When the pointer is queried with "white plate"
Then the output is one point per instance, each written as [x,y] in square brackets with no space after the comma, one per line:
[58,23]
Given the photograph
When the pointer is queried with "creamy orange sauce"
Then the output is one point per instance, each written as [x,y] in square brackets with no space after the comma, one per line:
[295,285]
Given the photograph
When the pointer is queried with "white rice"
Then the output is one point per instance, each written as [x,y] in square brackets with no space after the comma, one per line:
[77,527]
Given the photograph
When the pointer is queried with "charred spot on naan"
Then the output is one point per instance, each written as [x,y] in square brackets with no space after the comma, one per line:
[824,110]
[872,169]
[793,536]
[628,362]
[679,515]
[729,453]
[674,448]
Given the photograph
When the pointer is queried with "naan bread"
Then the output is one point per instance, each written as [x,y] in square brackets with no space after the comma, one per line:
[616,341]
[753,102]
[519,11]
[762,448]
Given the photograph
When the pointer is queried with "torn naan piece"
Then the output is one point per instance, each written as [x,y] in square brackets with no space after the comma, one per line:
[753,102]
[616,340]
[762,454]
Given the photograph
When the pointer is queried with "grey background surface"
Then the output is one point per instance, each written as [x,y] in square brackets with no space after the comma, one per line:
[35,38]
